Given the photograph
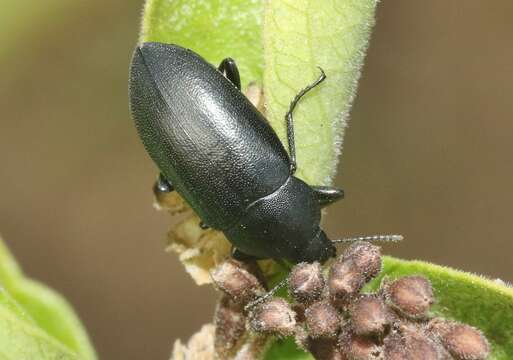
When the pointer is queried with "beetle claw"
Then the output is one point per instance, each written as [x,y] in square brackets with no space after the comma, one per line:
[203,225]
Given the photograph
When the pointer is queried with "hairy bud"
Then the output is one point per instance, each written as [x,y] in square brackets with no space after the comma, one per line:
[273,317]
[411,343]
[234,280]
[344,281]
[230,326]
[463,341]
[412,296]
[369,316]
[367,258]
[306,282]
[322,320]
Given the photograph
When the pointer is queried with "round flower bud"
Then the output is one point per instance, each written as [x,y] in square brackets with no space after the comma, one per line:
[306,282]
[230,326]
[369,316]
[412,296]
[344,281]
[464,342]
[397,348]
[412,343]
[367,258]
[234,280]
[273,317]
[322,320]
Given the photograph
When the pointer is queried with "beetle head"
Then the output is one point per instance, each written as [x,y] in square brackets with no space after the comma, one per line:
[320,249]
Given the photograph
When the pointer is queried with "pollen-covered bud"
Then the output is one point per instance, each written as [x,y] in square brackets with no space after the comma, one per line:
[230,326]
[367,258]
[306,282]
[412,296]
[369,316]
[360,348]
[322,320]
[274,317]
[344,281]
[234,280]
[464,342]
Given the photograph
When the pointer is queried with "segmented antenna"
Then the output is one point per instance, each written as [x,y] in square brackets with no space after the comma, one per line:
[384,238]
[267,295]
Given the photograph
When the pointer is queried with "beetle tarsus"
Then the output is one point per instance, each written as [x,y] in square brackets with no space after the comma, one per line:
[327,195]
[203,226]
[229,69]
[162,185]
[290,120]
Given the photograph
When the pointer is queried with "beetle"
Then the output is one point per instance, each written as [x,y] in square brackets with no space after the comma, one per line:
[221,155]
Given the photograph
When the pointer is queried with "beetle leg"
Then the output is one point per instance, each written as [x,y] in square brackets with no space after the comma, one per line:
[290,122]
[229,69]
[327,195]
[162,185]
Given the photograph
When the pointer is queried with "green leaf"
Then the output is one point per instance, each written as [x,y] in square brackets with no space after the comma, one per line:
[38,323]
[20,340]
[215,29]
[471,299]
[7,302]
[299,36]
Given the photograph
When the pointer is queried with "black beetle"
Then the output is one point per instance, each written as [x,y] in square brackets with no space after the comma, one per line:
[222,156]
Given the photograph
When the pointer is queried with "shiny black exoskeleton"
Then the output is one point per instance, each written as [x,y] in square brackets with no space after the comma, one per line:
[222,156]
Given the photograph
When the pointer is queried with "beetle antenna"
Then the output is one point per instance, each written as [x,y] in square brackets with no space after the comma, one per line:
[267,295]
[385,238]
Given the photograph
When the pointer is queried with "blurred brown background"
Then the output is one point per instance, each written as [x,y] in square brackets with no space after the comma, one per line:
[428,154]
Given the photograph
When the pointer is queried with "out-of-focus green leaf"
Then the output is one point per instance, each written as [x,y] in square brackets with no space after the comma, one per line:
[20,340]
[7,302]
[20,19]
[38,322]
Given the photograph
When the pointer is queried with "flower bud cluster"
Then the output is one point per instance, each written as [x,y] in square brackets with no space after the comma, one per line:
[333,319]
